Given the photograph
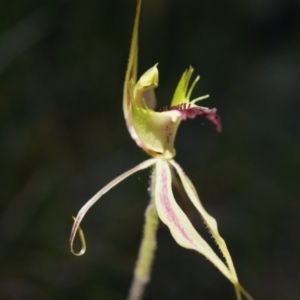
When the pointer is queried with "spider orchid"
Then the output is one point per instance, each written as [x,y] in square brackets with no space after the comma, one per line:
[154,132]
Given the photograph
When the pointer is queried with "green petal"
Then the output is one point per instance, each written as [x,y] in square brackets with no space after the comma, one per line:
[147,82]
[130,90]
[131,72]
[212,227]
[131,75]
[181,228]
[95,198]
[156,130]
[182,93]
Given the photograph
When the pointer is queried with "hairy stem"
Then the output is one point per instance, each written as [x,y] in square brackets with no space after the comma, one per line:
[147,249]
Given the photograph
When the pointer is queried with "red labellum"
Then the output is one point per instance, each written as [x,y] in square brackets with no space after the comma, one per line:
[190,112]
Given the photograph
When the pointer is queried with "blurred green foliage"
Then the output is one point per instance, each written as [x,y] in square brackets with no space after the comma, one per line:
[62,137]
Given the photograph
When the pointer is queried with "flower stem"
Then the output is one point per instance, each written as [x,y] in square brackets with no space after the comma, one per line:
[146,252]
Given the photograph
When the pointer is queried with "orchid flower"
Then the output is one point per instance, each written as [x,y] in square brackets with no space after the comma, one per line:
[154,132]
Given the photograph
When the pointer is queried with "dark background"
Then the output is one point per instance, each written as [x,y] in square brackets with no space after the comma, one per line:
[62,66]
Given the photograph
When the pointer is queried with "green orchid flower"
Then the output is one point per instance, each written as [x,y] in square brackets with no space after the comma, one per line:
[154,132]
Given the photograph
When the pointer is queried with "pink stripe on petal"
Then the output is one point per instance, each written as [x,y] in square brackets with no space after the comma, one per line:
[180,227]
[164,194]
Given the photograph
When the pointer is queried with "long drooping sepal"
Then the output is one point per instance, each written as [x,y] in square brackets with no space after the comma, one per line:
[212,227]
[95,198]
[181,228]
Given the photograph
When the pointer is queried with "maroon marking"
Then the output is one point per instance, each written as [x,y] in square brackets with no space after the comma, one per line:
[168,133]
[128,102]
[169,213]
[188,112]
